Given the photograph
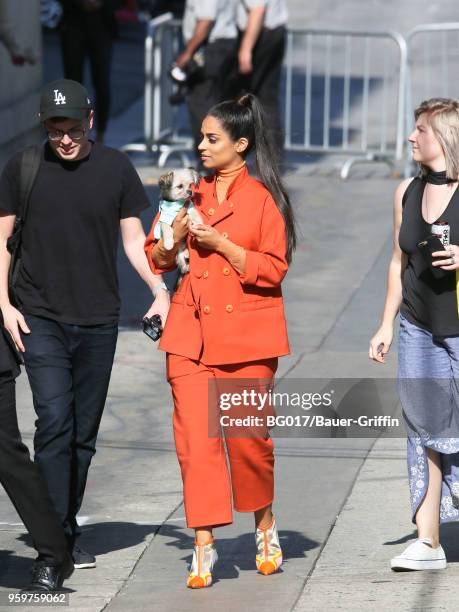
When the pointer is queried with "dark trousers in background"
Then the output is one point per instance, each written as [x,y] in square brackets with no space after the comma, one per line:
[208,88]
[69,369]
[90,36]
[23,483]
[264,81]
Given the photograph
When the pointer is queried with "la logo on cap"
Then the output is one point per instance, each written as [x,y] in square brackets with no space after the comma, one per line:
[59,98]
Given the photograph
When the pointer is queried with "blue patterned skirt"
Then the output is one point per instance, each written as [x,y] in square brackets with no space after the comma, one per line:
[428,381]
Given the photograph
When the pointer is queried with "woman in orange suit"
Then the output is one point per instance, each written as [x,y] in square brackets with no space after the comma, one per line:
[226,322]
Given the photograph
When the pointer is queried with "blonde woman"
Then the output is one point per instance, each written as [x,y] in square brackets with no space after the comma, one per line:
[428,358]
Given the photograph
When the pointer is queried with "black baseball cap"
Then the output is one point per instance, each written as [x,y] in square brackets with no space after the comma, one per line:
[64,98]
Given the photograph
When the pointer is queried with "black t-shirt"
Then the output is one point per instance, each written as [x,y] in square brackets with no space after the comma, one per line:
[70,236]
[428,302]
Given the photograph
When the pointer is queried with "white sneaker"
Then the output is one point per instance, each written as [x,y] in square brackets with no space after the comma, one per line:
[420,556]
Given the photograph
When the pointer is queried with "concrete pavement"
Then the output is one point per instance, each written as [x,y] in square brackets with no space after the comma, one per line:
[133,517]
[341,504]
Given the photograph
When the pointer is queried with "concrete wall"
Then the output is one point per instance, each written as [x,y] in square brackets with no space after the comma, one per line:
[20,85]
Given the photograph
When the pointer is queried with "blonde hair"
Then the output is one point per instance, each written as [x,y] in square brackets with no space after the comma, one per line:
[443,117]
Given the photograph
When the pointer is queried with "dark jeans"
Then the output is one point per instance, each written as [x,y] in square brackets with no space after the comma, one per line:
[23,483]
[89,36]
[209,87]
[264,80]
[69,369]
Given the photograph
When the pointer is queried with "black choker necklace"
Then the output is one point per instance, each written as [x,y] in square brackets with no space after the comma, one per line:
[438,178]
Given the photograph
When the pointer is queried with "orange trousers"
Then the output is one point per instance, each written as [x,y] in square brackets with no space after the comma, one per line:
[207,485]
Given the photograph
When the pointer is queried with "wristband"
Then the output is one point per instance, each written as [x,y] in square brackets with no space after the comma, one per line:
[158,287]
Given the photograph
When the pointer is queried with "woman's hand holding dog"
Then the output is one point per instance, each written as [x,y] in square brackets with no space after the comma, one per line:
[180,225]
[206,236]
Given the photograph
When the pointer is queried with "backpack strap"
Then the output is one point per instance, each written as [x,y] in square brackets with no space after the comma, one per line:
[30,164]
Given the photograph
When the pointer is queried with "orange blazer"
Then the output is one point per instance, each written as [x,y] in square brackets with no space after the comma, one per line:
[218,315]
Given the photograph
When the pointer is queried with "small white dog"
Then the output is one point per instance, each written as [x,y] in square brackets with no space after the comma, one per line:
[175,189]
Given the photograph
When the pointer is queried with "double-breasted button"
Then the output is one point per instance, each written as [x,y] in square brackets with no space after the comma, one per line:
[206,309]
[205,274]
[226,271]
[229,308]
[225,234]
[230,204]
[211,211]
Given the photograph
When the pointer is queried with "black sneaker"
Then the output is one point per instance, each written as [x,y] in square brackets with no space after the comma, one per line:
[82,559]
[47,578]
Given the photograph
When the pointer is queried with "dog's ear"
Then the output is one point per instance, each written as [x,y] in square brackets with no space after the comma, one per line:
[166,180]
[195,175]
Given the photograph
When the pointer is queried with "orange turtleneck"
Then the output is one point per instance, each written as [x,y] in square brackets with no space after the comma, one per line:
[224,179]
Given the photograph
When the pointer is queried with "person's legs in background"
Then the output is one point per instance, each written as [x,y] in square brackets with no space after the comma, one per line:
[27,491]
[74,49]
[202,95]
[100,49]
[268,56]
[208,88]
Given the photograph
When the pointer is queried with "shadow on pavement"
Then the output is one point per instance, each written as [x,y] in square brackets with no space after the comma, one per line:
[237,554]
[103,538]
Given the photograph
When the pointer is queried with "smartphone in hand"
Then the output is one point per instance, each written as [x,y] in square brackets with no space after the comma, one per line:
[427,247]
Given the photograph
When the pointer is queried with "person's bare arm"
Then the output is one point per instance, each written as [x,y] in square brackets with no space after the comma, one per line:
[12,318]
[133,238]
[381,341]
[255,22]
[200,34]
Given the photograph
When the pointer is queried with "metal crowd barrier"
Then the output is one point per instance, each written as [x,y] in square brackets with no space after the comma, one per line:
[433,58]
[344,93]
[161,119]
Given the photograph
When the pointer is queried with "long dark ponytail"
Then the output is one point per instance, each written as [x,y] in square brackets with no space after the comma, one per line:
[244,118]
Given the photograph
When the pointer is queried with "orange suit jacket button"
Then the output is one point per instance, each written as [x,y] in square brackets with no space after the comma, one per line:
[226,271]
[225,235]
[230,204]
[205,274]
[211,211]
[229,308]
[206,309]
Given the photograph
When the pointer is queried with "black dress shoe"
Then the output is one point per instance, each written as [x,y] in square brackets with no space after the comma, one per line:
[47,578]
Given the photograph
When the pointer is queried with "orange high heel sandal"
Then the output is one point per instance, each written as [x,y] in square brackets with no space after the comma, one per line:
[204,558]
[269,552]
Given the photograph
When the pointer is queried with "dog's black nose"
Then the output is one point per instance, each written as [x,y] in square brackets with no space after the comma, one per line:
[189,192]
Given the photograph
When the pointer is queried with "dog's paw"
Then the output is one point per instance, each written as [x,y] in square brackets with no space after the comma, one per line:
[183,260]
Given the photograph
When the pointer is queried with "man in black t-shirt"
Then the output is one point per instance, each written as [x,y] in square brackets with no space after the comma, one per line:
[66,324]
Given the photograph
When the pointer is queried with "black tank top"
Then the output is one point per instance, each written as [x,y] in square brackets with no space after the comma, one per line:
[427,302]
